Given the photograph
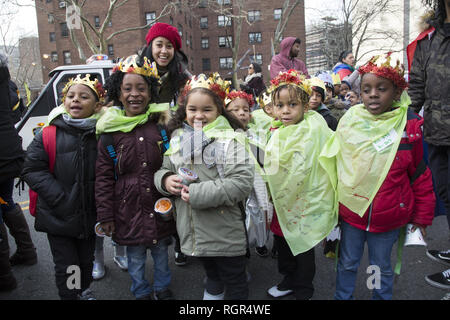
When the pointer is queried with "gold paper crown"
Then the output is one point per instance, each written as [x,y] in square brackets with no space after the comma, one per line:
[264,98]
[316,82]
[336,78]
[380,65]
[95,85]
[290,77]
[214,83]
[130,65]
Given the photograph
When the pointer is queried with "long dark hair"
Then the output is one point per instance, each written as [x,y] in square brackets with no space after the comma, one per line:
[179,117]
[344,55]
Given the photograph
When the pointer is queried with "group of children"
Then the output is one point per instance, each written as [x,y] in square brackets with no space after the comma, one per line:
[113,164]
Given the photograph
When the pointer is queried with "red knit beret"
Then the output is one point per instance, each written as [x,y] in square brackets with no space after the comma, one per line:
[165,30]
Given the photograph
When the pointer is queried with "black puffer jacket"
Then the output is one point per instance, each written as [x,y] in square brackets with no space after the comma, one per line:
[66,198]
[11,153]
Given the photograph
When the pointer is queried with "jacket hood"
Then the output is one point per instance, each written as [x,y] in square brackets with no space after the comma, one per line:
[286,45]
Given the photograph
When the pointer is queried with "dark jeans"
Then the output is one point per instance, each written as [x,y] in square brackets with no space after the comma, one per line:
[67,252]
[439,160]
[298,270]
[6,193]
[226,273]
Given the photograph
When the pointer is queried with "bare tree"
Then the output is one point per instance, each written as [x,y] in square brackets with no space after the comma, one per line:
[286,12]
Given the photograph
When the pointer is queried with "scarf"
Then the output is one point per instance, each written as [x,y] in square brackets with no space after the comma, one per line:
[251,76]
[302,191]
[114,119]
[361,151]
[83,124]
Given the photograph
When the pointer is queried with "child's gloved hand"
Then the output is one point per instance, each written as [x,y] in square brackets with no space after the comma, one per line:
[173,184]
[108,228]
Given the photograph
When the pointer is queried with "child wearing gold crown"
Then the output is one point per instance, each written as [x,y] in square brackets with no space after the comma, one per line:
[209,209]
[301,189]
[124,190]
[65,207]
[382,181]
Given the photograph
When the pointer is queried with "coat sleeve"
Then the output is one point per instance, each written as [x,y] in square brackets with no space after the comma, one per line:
[424,197]
[166,169]
[37,175]
[104,184]
[235,186]
[275,67]
[417,79]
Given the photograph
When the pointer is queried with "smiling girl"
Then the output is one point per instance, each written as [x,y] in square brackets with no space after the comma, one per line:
[124,189]
[65,207]
[209,218]
[301,190]
[383,182]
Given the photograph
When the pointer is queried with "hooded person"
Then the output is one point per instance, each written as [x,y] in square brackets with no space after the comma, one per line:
[287,58]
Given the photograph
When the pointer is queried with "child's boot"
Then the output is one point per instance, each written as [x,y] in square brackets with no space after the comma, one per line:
[120,257]
[7,280]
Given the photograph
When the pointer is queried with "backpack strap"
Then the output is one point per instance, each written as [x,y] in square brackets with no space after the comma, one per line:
[49,141]
[166,141]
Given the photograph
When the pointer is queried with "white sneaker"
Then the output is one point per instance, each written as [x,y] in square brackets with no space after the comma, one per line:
[98,271]
[122,262]
[87,295]
[209,296]
[275,292]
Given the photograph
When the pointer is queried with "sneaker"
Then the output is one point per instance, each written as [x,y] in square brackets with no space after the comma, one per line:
[278,292]
[262,251]
[122,262]
[98,271]
[446,297]
[440,279]
[180,259]
[87,295]
[165,294]
[439,256]
[209,296]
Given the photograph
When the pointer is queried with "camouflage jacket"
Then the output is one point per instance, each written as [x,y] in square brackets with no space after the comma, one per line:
[337,108]
[429,84]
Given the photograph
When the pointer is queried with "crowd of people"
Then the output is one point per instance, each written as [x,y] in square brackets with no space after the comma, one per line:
[157,156]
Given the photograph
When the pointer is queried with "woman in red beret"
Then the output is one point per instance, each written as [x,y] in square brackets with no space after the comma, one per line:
[164,48]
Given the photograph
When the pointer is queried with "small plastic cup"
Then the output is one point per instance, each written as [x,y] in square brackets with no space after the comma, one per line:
[414,238]
[164,208]
[187,176]
[99,231]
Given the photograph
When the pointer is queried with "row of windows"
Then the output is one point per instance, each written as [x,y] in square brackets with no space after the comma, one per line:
[227,41]
[68,57]
[227,62]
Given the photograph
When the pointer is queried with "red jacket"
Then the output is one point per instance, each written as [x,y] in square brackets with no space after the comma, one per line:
[399,201]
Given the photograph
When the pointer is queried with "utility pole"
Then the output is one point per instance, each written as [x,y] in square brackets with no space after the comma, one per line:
[406,18]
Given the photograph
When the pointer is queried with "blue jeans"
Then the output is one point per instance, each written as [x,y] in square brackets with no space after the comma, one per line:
[351,249]
[137,255]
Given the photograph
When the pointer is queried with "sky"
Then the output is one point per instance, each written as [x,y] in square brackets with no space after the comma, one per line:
[26,24]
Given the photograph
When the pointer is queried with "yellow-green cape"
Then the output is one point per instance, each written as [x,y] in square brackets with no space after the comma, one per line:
[361,152]
[302,191]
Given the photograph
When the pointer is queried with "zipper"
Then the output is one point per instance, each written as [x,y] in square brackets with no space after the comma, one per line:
[119,158]
[192,223]
[370,216]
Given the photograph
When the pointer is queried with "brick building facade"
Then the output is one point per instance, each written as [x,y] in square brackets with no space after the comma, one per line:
[204,32]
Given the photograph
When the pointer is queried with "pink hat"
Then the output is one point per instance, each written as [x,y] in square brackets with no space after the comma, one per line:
[165,30]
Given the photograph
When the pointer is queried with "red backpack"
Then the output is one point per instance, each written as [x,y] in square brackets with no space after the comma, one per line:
[49,140]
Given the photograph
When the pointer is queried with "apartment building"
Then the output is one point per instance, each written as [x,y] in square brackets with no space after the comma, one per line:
[206,33]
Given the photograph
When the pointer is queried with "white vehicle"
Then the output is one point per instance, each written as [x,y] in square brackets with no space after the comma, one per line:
[98,66]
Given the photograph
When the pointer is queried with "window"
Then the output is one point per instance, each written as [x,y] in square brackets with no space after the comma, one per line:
[226,63]
[257,58]
[180,30]
[188,43]
[110,50]
[67,57]
[150,18]
[50,18]
[97,21]
[277,14]
[64,30]
[110,23]
[205,43]
[224,2]
[171,20]
[254,15]
[204,22]
[52,37]
[254,37]
[202,4]
[223,21]
[54,56]
[224,43]
[48,1]
[206,64]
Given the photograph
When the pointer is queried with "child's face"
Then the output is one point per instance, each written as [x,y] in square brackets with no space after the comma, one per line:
[338,89]
[81,102]
[162,51]
[134,94]
[269,110]
[344,89]
[200,109]
[315,100]
[288,108]
[352,97]
[328,95]
[378,93]
[240,109]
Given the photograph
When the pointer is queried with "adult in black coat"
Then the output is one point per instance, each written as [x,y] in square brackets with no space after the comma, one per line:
[254,83]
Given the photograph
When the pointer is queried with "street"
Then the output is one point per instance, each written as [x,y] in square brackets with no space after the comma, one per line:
[37,282]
